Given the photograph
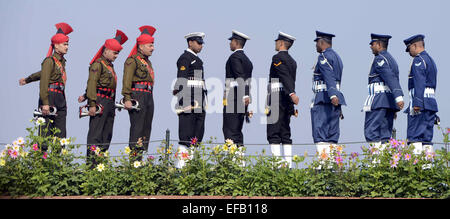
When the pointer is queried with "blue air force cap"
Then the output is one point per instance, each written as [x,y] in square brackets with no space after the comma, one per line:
[413,39]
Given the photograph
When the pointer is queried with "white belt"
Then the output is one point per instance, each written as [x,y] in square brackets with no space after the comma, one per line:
[319,86]
[195,83]
[234,84]
[276,86]
[374,88]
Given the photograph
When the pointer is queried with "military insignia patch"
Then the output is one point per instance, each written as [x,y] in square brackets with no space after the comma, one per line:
[380,63]
[182,68]
[418,64]
[277,64]
[323,62]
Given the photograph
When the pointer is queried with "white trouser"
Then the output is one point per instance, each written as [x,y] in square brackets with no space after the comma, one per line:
[181,162]
[276,150]
[241,155]
[288,154]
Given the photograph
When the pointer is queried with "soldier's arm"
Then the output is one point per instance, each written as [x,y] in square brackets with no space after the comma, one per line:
[283,73]
[391,80]
[33,77]
[128,72]
[91,91]
[419,82]
[326,69]
[47,68]
[182,70]
[238,68]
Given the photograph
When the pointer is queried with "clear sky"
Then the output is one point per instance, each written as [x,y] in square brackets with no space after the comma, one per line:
[27,26]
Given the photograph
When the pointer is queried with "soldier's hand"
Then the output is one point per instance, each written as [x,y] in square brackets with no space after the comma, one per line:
[400,105]
[128,105]
[81,99]
[295,99]
[416,109]
[22,81]
[247,101]
[45,110]
[92,110]
[335,101]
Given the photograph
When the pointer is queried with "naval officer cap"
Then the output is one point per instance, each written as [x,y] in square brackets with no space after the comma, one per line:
[413,39]
[379,37]
[238,35]
[196,36]
[285,37]
[322,35]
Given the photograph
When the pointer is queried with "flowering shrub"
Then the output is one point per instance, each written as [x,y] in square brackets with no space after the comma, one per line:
[392,170]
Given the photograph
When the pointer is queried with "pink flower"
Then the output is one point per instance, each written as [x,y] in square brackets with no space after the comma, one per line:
[415,161]
[150,158]
[396,157]
[407,156]
[194,141]
[45,155]
[448,130]
[394,143]
[393,163]
[93,148]
[35,147]
[13,153]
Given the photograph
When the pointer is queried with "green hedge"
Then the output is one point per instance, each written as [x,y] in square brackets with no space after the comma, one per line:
[26,170]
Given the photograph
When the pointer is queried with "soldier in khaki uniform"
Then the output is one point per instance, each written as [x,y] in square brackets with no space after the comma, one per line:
[101,90]
[138,80]
[52,81]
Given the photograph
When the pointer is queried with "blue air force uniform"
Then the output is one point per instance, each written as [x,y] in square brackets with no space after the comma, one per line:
[326,84]
[384,93]
[421,86]
[238,72]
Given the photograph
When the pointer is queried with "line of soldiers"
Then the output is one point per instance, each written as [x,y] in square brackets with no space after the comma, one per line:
[385,97]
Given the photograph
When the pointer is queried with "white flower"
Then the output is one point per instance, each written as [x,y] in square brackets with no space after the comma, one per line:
[97,151]
[2,162]
[233,148]
[40,121]
[64,141]
[229,142]
[16,147]
[20,141]
[3,154]
[100,167]
[8,146]
[137,164]
[64,151]
[106,153]
[15,143]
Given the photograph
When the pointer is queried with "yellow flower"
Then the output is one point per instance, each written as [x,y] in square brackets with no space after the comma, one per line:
[137,164]
[233,148]
[169,150]
[225,147]
[295,158]
[23,154]
[100,167]
[64,152]
[106,153]
[216,149]
[339,148]
[97,151]
[229,142]
[2,162]
[127,150]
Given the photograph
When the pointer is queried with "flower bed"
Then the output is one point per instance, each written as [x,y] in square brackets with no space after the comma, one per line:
[27,170]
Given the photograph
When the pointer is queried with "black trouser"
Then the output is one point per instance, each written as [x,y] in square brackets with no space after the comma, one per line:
[141,122]
[191,125]
[100,129]
[57,99]
[278,127]
[232,127]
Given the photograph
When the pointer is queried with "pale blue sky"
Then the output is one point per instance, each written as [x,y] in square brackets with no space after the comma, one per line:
[27,26]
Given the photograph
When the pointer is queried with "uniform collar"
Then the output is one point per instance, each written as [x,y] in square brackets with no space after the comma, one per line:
[238,50]
[189,50]
[59,57]
[142,55]
[106,61]
[422,53]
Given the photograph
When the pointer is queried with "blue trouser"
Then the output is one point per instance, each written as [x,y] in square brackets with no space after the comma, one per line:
[420,126]
[378,125]
[325,122]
